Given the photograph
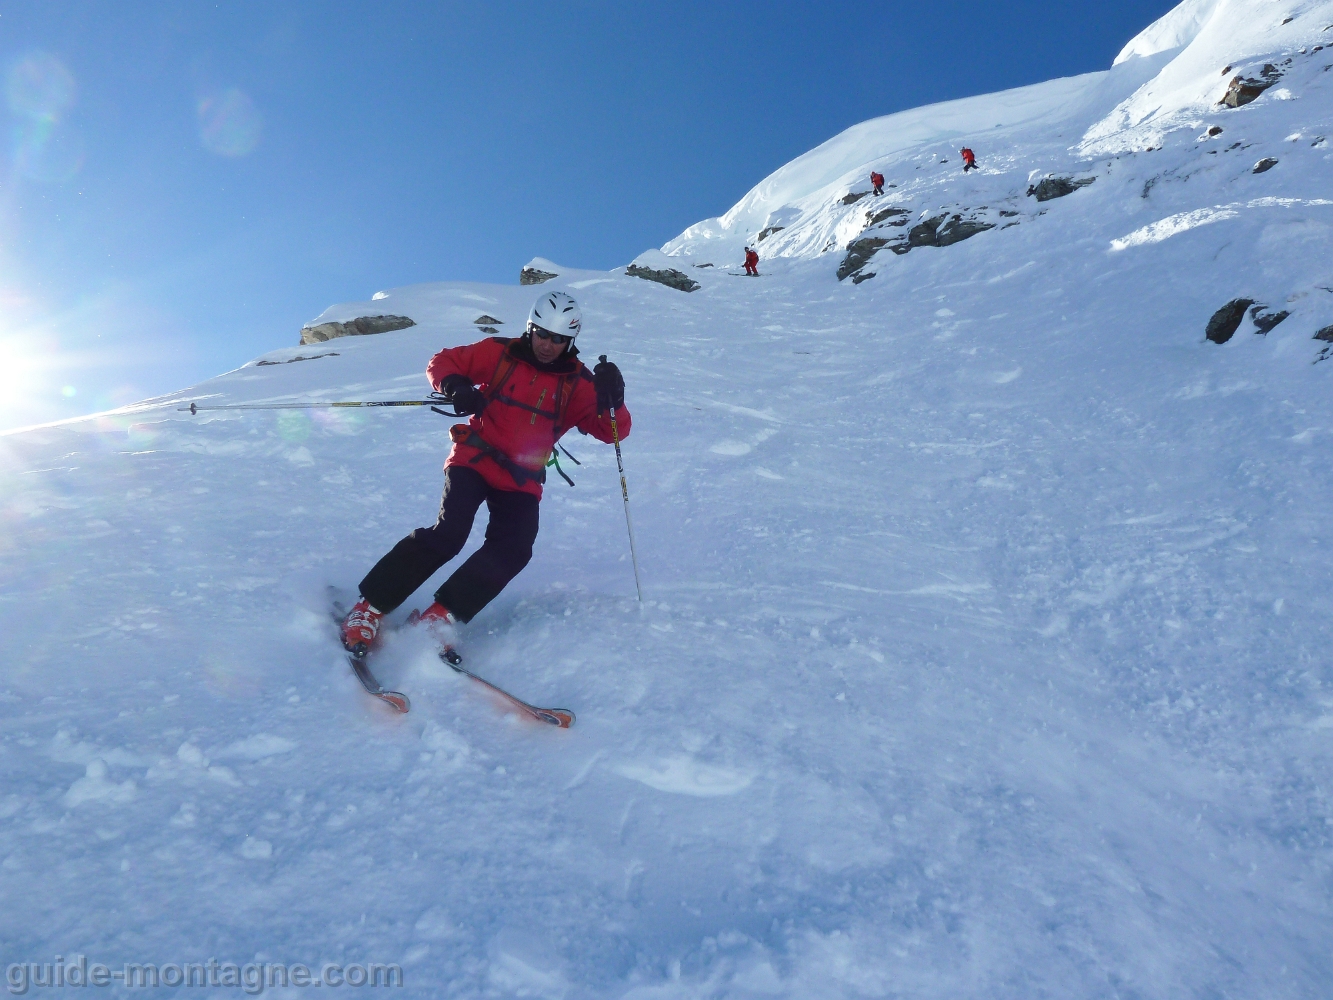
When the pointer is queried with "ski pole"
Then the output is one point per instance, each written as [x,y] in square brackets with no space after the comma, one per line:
[624,492]
[195,407]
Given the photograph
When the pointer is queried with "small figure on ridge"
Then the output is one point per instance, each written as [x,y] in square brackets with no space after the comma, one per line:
[969,159]
[877,179]
[751,261]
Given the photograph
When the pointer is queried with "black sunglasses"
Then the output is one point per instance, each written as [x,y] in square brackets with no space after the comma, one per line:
[556,338]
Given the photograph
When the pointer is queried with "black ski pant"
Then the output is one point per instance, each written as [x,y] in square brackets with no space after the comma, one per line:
[509,536]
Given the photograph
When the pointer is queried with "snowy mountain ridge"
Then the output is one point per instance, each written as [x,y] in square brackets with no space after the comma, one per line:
[987,600]
[1167,79]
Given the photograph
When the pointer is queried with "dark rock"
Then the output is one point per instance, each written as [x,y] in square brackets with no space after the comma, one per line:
[299,357]
[1006,214]
[532,276]
[958,229]
[1214,129]
[1225,321]
[1325,334]
[1267,163]
[1057,187]
[862,277]
[703,265]
[1242,90]
[852,197]
[859,253]
[889,213]
[941,231]
[1265,321]
[488,330]
[359,327]
[667,276]
[923,234]
[769,232]
[485,319]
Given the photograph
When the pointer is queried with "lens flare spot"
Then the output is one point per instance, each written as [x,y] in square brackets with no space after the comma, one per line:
[45,150]
[69,392]
[293,426]
[142,435]
[229,123]
[40,86]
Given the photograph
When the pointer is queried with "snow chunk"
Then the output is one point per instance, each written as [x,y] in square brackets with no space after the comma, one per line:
[257,747]
[94,786]
[256,850]
[1164,229]
[686,776]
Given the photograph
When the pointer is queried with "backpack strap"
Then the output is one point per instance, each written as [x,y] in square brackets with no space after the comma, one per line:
[564,395]
[496,384]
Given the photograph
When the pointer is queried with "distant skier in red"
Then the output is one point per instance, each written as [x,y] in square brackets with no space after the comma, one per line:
[751,261]
[969,159]
[522,395]
[877,179]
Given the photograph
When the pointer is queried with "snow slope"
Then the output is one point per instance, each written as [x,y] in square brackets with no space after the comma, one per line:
[985,643]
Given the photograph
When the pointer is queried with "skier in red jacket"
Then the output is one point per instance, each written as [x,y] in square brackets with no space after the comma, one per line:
[877,180]
[751,261]
[521,394]
[969,159]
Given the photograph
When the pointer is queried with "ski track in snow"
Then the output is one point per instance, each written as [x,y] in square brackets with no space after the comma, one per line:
[984,650]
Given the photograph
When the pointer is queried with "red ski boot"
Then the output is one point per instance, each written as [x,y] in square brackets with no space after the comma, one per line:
[441,621]
[361,626]
[434,616]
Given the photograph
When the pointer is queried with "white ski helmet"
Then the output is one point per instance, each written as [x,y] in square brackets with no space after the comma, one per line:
[556,312]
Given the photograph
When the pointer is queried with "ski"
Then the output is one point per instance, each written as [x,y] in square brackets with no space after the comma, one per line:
[362,670]
[356,659]
[560,717]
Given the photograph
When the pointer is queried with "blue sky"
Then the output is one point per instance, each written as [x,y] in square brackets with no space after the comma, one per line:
[183,185]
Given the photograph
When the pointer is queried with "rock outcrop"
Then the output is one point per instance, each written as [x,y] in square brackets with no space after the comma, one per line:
[1264,320]
[859,253]
[1222,327]
[1051,188]
[532,276]
[1267,163]
[359,327]
[940,231]
[876,218]
[1242,90]
[668,276]
[852,197]
[958,229]
[299,357]
[769,232]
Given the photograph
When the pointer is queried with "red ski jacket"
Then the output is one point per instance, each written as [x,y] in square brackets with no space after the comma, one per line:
[877,180]
[969,156]
[530,405]
[751,258]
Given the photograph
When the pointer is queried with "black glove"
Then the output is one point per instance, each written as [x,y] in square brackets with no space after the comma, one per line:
[466,397]
[610,386]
